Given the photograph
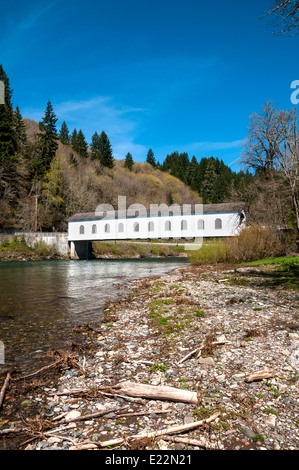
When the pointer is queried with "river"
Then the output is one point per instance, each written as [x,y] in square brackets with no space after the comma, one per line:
[42,301]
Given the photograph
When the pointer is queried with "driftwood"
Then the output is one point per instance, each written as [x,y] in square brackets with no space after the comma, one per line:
[157,392]
[92,415]
[186,440]
[3,390]
[101,392]
[53,364]
[170,430]
[259,375]
[197,350]
[143,413]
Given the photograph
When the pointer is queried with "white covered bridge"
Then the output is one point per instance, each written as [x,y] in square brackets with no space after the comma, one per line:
[159,222]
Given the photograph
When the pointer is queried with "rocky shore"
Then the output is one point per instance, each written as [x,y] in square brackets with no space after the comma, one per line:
[224,335]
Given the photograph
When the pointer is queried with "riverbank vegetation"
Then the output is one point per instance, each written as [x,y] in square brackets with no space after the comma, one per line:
[18,250]
[132,250]
[253,243]
[47,175]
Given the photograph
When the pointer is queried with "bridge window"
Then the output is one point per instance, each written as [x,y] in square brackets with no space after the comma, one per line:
[218,224]
[167,226]
[201,224]
[184,225]
[107,228]
[94,229]
[136,227]
[151,226]
[121,227]
[81,229]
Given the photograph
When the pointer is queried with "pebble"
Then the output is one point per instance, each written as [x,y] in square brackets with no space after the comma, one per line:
[251,340]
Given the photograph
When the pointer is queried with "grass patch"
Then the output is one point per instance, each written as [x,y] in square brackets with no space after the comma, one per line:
[131,250]
[282,261]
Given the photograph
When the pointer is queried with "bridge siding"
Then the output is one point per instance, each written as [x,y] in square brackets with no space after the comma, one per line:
[230,225]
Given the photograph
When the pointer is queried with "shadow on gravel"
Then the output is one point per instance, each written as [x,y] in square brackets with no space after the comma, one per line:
[285,276]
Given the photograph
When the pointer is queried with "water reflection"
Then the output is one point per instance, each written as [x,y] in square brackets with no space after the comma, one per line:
[41,301]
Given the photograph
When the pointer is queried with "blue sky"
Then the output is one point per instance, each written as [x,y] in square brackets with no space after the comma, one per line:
[168,75]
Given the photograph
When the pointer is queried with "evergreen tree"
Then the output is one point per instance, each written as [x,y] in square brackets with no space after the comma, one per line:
[47,140]
[151,158]
[64,134]
[81,144]
[129,161]
[72,160]
[95,147]
[7,134]
[192,172]
[209,182]
[171,164]
[183,167]
[106,156]
[20,131]
[73,140]
[200,174]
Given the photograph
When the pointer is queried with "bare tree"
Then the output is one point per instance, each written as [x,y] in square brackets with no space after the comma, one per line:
[272,148]
[288,161]
[265,135]
[287,13]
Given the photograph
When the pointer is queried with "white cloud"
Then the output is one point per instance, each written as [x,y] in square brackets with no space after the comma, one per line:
[99,114]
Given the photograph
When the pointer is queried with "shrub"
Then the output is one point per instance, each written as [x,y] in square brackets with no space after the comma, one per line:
[253,243]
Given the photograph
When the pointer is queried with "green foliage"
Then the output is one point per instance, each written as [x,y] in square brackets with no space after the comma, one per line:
[151,158]
[81,144]
[129,161]
[64,134]
[20,131]
[7,134]
[105,151]
[47,143]
[95,147]
[210,177]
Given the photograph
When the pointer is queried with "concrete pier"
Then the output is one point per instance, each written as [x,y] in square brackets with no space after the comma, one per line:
[81,250]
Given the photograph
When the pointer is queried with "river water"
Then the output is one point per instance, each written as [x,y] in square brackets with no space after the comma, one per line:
[40,302]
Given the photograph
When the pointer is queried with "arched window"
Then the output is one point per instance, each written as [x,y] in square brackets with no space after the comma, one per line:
[136,227]
[151,226]
[201,224]
[121,227]
[94,229]
[218,224]
[167,226]
[184,225]
[81,229]
[107,228]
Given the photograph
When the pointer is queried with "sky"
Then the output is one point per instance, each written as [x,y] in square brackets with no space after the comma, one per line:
[170,75]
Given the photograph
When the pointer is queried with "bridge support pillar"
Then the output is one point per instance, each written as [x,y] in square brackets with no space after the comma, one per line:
[81,250]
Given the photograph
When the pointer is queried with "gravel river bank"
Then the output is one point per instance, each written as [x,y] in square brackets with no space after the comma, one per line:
[215,354]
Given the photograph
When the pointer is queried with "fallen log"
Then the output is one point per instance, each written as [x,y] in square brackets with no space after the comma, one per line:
[259,375]
[157,392]
[162,432]
[3,390]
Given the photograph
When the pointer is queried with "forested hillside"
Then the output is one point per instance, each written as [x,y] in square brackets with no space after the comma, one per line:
[64,174]
[60,173]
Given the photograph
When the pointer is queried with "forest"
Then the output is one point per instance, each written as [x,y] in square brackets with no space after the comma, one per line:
[56,173]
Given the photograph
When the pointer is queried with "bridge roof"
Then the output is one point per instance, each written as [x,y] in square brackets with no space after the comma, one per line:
[194,209]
